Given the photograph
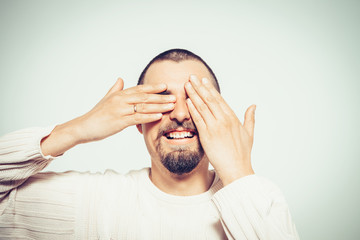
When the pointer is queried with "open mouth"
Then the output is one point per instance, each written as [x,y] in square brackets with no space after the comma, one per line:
[178,134]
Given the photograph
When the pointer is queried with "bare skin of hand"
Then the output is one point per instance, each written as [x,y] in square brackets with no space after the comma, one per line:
[226,142]
[111,115]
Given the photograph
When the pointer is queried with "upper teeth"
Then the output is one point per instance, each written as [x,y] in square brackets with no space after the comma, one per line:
[180,134]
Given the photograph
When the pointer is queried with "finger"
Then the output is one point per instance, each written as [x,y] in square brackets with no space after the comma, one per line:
[118,86]
[146,88]
[154,108]
[141,118]
[221,103]
[208,97]
[149,98]
[195,115]
[199,104]
[249,121]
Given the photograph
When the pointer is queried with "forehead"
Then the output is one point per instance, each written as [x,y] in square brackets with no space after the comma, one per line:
[175,74]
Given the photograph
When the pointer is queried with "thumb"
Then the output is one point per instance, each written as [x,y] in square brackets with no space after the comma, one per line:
[118,86]
[249,121]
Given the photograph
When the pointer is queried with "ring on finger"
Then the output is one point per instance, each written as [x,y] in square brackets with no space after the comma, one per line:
[135,110]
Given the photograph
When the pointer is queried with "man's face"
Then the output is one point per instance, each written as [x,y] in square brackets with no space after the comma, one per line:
[173,141]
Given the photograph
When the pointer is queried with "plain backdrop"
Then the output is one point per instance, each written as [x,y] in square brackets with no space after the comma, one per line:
[297,60]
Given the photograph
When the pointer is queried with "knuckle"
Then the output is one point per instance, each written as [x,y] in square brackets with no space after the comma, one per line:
[140,107]
[227,122]
[202,107]
[205,92]
[221,119]
[144,97]
[209,98]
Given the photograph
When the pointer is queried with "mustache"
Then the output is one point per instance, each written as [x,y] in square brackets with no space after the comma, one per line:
[174,125]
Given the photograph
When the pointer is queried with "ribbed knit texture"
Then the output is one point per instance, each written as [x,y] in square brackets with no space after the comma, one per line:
[74,205]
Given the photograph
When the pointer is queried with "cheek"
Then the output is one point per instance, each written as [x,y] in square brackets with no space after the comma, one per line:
[150,131]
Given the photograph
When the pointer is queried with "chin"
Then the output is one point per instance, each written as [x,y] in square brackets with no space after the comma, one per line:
[181,161]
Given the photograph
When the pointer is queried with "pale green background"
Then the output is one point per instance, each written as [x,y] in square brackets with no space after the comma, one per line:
[297,60]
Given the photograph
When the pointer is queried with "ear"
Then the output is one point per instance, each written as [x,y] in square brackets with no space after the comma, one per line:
[139,128]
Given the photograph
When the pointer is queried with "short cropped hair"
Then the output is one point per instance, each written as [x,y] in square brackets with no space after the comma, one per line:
[177,55]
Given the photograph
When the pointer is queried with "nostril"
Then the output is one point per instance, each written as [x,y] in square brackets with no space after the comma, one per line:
[180,113]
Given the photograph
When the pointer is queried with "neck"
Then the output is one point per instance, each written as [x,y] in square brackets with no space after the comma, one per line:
[196,182]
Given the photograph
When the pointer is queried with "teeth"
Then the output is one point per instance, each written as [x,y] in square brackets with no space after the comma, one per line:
[178,135]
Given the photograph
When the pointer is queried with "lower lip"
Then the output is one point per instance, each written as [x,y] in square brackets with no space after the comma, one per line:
[180,141]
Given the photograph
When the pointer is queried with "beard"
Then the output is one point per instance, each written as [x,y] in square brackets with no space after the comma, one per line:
[180,159]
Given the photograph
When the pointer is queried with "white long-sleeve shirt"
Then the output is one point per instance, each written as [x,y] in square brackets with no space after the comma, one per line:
[74,205]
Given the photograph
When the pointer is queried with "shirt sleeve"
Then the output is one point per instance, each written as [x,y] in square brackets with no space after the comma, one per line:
[21,157]
[44,205]
[252,207]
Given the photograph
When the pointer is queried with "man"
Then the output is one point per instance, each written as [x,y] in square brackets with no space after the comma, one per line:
[186,125]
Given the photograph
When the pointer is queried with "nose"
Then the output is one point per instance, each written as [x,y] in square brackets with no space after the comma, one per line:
[180,112]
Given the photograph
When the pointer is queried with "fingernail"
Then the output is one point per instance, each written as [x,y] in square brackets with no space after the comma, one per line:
[170,105]
[204,80]
[162,85]
[188,85]
[194,79]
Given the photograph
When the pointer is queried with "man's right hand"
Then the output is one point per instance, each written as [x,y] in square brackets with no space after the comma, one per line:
[111,115]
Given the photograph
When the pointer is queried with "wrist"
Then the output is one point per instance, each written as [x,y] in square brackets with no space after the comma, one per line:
[232,175]
[62,138]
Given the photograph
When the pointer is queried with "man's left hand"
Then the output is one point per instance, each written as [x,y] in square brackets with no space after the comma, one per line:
[226,142]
